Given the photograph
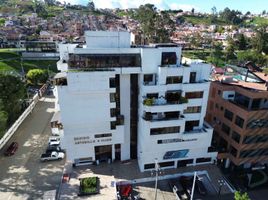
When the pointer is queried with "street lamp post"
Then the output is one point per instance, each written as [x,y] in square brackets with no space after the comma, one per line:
[156,170]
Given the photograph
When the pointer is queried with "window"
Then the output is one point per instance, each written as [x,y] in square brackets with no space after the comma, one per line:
[113,112]
[256,104]
[169,58]
[173,79]
[219,92]
[148,78]
[217,105]
[189,125]
[236,136]
[194,95]
[165,130]
[201,160]
[228,114]
[103,135]
[193,109]
[113,125]
[225,128]
[149,166]
[166,164]
[241,100]
[239,121]
[152,95]
[112,97]
[192,77]
[184,163]
[112,82]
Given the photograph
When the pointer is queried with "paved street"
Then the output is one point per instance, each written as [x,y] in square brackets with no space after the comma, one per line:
[23,176]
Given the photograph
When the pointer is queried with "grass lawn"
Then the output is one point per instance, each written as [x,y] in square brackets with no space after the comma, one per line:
[10,60]
[202,20]
[258,21]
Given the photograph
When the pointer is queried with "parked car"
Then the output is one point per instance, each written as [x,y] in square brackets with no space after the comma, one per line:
[11,149]
[54,148]
[187,184]
[52,156]
[54,141]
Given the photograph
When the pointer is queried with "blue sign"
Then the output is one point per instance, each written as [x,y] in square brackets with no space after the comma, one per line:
[176,154]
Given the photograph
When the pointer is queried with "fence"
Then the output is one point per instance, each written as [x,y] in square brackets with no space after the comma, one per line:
[18,122]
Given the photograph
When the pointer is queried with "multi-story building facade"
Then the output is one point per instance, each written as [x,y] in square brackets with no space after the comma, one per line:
[118,102]
[237,110]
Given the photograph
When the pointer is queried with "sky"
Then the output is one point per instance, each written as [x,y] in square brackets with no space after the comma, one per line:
[254,6]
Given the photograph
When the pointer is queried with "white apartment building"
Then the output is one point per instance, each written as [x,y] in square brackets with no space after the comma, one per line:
[118,102]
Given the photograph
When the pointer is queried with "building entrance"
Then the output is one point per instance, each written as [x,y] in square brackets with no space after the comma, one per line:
[103,153]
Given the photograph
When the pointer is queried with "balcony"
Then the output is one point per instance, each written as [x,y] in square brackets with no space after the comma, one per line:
[205,129]
[164,104]
[162,116]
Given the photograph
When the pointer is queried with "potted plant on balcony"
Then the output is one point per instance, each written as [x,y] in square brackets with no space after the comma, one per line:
[183,100]
[148,102]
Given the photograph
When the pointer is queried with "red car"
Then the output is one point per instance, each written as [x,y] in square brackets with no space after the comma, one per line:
[11,149]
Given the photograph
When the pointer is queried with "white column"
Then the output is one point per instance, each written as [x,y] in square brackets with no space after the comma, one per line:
[125,110]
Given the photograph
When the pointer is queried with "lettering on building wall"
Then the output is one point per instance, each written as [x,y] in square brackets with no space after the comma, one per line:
[87,140]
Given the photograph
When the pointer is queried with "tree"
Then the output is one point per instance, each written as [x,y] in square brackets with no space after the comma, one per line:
[37,76]
[240,196]
[242,42]
[252,56]
[260,41]
[213,17]
[192,11]
[230,50]
[91,5]
[12,92]
[156,27]
[216,55]
[3,119]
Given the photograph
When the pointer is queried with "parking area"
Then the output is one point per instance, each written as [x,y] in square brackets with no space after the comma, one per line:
[142,183]
[23,176]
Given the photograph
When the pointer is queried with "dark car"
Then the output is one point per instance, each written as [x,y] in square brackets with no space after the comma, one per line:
[177,187]
[11,149]
[200,187]
[54,148]
[187,184]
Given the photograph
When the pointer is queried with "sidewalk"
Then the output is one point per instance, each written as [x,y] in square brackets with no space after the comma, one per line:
[118,171]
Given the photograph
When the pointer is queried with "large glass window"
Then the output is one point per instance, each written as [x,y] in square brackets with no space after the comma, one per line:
[194,95]
[236,136]
[239,121]
[228,114]
[169,58]
[165,130]
[192,109]
[104,60]
[174,79]
[241,100]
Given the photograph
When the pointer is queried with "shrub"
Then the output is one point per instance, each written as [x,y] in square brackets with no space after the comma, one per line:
[148,102]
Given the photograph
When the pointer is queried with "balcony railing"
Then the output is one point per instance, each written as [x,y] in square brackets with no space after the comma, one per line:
[152,118]
[204,129]
[163,101]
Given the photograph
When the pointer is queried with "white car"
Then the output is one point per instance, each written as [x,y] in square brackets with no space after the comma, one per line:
[54,141]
